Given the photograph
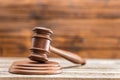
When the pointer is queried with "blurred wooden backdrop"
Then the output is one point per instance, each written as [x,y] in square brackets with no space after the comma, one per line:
[90,28]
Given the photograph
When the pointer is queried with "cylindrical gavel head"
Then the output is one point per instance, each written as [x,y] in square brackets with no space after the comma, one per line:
[40,44]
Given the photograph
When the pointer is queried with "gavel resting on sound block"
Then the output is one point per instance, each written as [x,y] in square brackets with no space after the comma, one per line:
[38,62]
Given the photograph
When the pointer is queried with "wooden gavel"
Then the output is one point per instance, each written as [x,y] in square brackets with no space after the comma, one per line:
[41,47]
[38,62]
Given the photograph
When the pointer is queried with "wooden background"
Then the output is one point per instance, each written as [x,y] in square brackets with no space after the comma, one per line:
[90,28]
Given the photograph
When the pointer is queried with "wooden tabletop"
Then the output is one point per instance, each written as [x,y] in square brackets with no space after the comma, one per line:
[95,69]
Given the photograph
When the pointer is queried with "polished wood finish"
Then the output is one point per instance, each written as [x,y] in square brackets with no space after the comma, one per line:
[39,49]
[31,67]
[68,55]
[40,44]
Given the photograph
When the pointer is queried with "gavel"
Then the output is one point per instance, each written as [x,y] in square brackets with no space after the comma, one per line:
[38,62]
[41,47]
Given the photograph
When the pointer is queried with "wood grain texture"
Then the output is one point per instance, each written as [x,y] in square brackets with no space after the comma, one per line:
[95,69]
[66,9]
[87,27]
[13,43]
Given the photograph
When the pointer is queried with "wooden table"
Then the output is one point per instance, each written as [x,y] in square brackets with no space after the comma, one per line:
[94,70]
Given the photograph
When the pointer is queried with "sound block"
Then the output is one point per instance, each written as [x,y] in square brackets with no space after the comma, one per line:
[34,68]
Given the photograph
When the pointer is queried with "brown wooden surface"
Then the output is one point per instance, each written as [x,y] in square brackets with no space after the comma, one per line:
[87,27]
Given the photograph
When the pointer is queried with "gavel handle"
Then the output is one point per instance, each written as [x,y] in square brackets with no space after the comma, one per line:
[68,55]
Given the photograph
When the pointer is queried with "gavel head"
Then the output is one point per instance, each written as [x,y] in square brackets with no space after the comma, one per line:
[40,44]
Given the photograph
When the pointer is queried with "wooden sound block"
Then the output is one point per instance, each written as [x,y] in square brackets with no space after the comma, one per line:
[32,67]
